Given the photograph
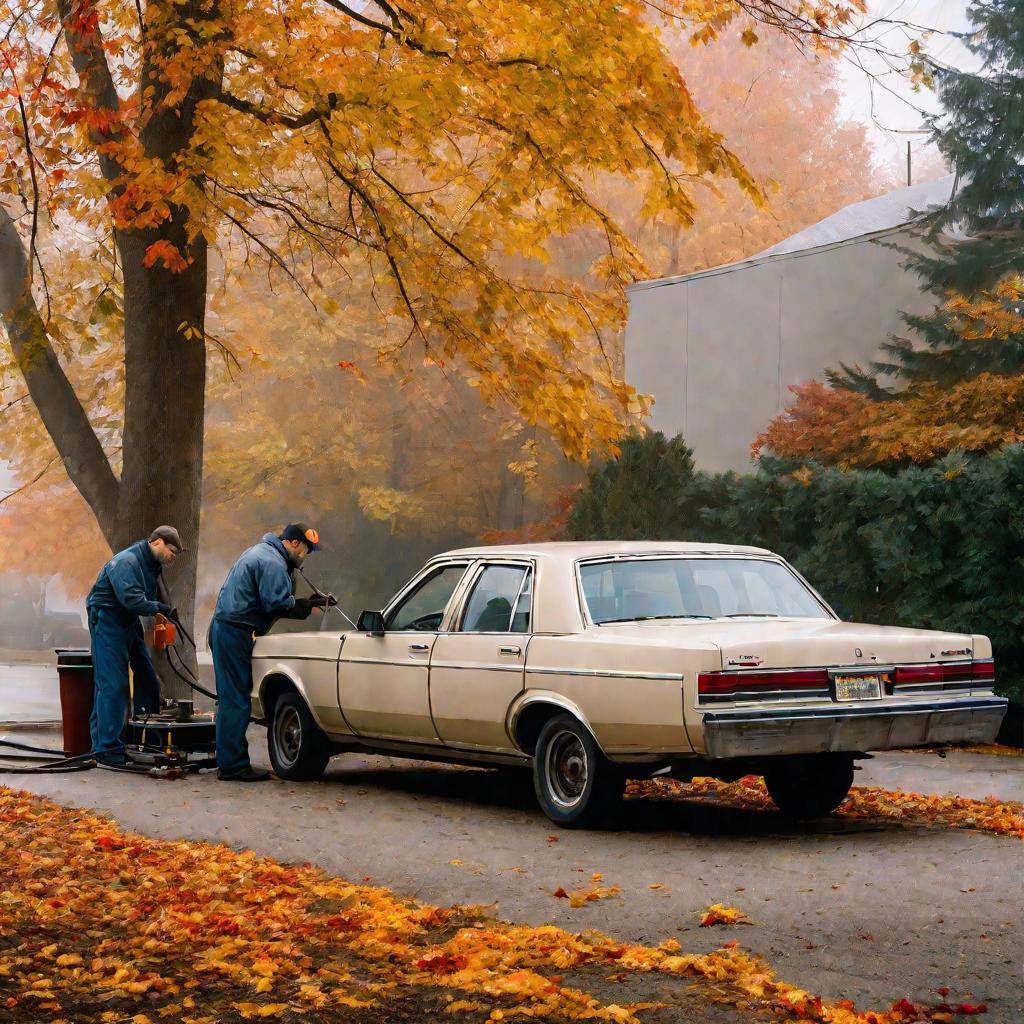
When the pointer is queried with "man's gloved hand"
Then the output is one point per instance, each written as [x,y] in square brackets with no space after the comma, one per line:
[319,600]
[166,609]
[302,610]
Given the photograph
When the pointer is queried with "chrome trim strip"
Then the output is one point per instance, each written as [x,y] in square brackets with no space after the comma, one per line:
[713,718]
[724,698]
[477,667]
[291,657]
[950,684]
[602,673]
[863,670]
[408,663]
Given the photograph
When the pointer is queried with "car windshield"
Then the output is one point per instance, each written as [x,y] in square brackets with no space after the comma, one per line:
[629,590]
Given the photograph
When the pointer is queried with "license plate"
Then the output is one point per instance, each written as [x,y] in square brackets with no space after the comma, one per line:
[850,687]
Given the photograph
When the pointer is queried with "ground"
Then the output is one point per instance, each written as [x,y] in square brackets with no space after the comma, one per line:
[872,909]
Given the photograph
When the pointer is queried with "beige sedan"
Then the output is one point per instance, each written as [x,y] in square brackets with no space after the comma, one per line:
[595,662]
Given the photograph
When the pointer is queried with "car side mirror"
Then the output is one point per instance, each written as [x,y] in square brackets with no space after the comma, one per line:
[371,622]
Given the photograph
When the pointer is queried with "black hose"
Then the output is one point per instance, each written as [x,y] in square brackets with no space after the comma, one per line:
[188,636]
[25,746]
[188,682]
[75,763]
[47,769]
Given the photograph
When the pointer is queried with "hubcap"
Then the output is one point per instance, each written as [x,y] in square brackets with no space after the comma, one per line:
[288,735]
[565,765]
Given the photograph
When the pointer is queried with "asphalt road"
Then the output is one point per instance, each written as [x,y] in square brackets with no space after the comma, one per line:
[847,909]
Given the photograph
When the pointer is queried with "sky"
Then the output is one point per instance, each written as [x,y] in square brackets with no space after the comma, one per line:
[884,101]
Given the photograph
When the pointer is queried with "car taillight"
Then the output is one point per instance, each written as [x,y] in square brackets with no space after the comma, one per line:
[717,683]
[959,672]
[985,669]
[928,673]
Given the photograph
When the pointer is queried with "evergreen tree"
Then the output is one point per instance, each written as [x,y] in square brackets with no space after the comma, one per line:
[973,258]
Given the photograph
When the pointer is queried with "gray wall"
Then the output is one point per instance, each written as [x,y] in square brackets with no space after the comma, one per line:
[719,350]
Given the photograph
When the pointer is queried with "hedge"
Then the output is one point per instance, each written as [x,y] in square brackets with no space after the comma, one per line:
[937,547]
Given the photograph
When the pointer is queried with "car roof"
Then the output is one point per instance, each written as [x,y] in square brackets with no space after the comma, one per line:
[576,549]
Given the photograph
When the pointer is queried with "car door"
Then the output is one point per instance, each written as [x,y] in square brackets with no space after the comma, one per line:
[477,668]
[383,680]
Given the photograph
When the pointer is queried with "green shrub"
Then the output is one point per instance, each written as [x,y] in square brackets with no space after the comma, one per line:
[936,547]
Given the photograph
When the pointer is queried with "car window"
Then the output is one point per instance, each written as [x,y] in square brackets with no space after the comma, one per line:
[424,608]
[627,590]
[522,620]
[496,600]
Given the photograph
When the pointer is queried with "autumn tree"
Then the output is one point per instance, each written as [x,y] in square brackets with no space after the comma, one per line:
[147,142]
[958,381]
[780,109]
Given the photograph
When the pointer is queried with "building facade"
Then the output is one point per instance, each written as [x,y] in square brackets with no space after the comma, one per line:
[718,350]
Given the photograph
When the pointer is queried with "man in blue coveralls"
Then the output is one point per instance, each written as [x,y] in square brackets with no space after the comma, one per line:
[258,589]
[127,587]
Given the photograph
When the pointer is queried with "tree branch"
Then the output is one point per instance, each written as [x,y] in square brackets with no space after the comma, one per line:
[29,483]
[275,117]
[59,408]
[81,21]
[396,31]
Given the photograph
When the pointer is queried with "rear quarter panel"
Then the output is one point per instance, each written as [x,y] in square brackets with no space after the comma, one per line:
[630,692]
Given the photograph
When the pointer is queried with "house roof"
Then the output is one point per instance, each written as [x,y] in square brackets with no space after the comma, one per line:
[866,219]
[890,210]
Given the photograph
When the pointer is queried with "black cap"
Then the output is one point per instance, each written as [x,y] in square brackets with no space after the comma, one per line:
[169,535]
[300,531]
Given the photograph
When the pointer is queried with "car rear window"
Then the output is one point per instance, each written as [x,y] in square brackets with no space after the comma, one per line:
[628,590]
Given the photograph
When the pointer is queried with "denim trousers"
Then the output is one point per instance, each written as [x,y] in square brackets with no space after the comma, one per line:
[116,648]
[232,664]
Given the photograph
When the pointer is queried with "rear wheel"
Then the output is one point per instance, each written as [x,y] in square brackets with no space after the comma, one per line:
[811,786]
[299,751]
[575,784]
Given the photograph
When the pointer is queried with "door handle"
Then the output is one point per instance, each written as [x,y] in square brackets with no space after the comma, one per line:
[419,647]
[511,649]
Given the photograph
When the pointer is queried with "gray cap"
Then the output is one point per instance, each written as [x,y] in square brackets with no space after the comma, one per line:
[169,535]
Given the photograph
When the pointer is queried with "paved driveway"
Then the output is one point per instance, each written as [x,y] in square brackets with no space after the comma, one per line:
[868,911]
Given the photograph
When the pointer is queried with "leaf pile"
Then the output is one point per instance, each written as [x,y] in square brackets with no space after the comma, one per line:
[595,891]
[102,926]
[718,913]
[1000,817]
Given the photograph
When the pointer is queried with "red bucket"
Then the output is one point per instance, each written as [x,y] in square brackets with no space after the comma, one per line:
[74,669]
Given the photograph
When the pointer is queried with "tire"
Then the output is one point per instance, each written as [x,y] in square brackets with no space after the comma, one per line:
[811,786]
[575,785]
[299,751]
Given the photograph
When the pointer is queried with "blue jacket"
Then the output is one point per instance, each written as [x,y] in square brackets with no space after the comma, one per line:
[258,588]
[127,584]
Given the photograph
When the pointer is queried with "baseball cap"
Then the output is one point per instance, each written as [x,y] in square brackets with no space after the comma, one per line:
[169,535]
[300,531]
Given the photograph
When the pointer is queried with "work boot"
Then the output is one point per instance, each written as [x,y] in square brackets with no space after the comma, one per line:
[249,774]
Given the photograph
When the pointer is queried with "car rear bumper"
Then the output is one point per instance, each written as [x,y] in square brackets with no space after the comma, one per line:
[744,733]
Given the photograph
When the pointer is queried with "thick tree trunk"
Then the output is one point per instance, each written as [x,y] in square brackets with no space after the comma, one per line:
[165,356]
[165,380]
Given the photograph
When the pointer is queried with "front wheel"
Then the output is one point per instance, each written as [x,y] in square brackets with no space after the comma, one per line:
[299,751]
[811,786]
[576,786]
